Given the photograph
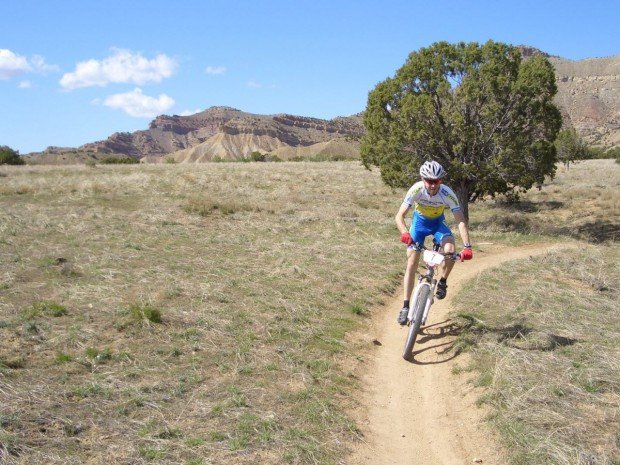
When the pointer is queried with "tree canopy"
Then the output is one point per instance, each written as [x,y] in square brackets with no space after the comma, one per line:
[482,111]
[570,147]
[8,156]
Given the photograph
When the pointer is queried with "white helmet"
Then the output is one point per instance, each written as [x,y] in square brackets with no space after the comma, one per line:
[432,170]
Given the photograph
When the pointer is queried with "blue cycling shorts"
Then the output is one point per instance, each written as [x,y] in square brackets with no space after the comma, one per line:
[421,227]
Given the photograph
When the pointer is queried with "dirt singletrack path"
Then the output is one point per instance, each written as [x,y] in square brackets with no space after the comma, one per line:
[420,412]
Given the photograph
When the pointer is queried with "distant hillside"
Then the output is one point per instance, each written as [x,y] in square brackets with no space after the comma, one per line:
[588,96]
[224,133]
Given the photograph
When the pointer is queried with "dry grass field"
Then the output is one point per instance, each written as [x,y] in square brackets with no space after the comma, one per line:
[197,314]
[581,202]
[186,313]
[544,333]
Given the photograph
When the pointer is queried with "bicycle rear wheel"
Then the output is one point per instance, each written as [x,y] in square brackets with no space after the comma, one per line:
[418,313]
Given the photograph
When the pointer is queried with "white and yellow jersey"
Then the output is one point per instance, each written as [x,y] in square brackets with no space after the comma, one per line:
[431,206]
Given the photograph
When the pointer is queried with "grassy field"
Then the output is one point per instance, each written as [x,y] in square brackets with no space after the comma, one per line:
[544,333]
[186,314]
[581,202]
[548,353]
[197,314]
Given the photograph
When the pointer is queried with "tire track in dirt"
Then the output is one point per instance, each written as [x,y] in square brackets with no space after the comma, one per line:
[420,412]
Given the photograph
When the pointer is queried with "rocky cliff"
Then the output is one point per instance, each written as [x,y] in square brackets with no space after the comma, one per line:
[589,97]
[226,133]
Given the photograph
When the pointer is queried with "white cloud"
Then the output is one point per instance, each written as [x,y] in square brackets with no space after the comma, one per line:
[213,70]
[41,66]
[123,66]
[136,104]
[12,64]
[25,85]
[189,112]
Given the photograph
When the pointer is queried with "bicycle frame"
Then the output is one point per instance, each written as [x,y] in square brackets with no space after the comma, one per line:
[432,259]
[424,294]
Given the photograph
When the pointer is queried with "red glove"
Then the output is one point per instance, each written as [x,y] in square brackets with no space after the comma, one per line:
[405,238]
[467,254]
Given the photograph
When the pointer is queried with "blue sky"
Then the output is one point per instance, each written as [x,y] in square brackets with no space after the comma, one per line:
[73,72]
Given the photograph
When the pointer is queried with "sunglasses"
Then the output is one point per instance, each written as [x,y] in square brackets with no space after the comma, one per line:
[432,182]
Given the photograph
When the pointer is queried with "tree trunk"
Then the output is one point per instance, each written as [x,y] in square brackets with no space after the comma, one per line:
[462,193]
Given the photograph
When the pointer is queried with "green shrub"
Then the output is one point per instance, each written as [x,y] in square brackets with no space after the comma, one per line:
[98,355]
[598,152]
[114,160]
[320,157]
[145,312]
[257,156]
[569,146]
[44,308]
[356,309]
[61,358]
[8,156]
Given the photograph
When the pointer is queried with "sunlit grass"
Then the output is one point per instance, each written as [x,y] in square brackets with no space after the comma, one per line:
[547,353]
[185,288]
[176,313]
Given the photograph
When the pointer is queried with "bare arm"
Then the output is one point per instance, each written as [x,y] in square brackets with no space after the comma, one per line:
[460,220]
[400,218]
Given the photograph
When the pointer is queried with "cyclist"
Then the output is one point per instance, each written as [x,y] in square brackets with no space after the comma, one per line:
[429,199]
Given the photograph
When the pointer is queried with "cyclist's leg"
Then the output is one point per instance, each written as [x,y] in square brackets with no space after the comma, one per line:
[444,236]
[448,247]
[419,230]
[413,258]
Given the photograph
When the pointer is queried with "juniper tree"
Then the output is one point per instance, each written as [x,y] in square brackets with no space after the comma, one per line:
[570,147]
[482,111]
[8,156]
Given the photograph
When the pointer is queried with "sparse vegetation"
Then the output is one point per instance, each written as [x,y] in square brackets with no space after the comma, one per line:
[119,160]
[206,315]
[258,156]
[206,306]
[320,157]
[581,203]
[558,316]
[45,308]
[148,313]
[598,152]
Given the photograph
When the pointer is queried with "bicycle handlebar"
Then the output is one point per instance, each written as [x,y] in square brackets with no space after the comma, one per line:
[451,256]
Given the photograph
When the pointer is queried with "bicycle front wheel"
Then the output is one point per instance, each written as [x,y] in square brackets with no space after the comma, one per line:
[418,312]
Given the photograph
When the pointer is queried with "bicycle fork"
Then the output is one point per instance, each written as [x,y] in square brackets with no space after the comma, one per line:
[424,281]
[429,301]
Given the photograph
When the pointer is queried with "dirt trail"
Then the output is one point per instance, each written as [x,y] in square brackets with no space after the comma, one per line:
[420,413]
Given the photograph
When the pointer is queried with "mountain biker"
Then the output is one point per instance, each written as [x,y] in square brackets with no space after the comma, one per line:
[429,199]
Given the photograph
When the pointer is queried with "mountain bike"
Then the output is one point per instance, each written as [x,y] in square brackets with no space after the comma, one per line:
[424,294]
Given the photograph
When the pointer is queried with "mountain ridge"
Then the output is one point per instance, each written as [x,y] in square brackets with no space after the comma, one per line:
[588,97]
